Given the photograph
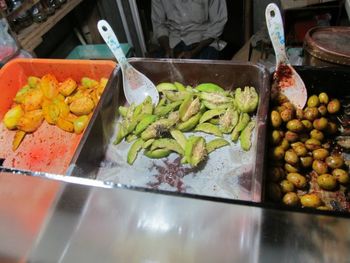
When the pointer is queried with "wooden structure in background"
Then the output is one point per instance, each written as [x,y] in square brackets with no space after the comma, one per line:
[30,37]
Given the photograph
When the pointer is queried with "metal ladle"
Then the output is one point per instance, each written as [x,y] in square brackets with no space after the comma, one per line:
[135,84]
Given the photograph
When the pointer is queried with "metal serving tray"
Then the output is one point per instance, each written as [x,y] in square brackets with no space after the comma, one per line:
[229,172]
[335,81]
[48,149]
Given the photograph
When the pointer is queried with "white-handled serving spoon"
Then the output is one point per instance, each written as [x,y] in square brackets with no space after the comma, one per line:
[285,78]
[135,84]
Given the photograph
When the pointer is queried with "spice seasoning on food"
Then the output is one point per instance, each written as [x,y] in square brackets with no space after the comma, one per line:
[283,76]
[171,173]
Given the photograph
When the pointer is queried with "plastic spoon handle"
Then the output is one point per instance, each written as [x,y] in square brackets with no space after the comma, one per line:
[112,41]
[275,27]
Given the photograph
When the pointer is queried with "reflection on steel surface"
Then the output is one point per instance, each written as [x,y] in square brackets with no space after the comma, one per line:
[93,224]
[83,223]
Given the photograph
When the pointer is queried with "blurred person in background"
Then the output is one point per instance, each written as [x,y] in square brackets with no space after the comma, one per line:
[189,28]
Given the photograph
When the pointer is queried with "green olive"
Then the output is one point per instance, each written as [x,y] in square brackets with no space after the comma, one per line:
[291,157]
[332,128]
[278,153]
[327,182]
[299,148]
[310,200]
[341,175]
[296,144]
[322,109]
[320,124]
[299,113]
[280,109]
[306,161]
[320,154]
[274,192]
[307,125]
[291,136]
[319,167]
[276,174]
[333,106]
[313,101]
[286,186]
[334,161]
[276,119]
[297,180]
[316,134]
[312,144]
[287,115]
[291,199]
[311,113]
[290,168]
[323,97]
[284,144]
[276,137]
[295,125]
[288,105]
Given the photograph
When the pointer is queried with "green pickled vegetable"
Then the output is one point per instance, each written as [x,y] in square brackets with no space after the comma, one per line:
[245,137]
[190,123]
[246,100]
[215,144]
[195,150]
[144,123]
[160,129]
[179,86]
[165,86]
[134,150]
[158,153]
[211,114]
[209,128]
[156,129]
[169,144]
[228,120]
[244,119]
[179,137]
[209,87]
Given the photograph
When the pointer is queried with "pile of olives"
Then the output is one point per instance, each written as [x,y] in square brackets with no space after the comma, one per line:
[301,149]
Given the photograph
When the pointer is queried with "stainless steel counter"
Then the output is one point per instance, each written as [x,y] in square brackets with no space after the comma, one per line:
[46,220]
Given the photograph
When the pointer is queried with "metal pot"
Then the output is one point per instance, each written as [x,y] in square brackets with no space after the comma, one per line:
[327,46]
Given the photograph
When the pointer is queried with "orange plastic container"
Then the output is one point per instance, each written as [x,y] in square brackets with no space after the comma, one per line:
[48,149]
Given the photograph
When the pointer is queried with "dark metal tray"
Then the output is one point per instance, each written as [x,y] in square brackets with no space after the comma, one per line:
[335,81]
[223,178]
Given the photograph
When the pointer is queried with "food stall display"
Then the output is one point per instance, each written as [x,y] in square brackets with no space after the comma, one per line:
[258,177]
[203,138]
[41,101]
[219,102]
[308,162]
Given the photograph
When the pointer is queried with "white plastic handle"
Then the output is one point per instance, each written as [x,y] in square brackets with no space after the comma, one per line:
[111,40]
[275,27]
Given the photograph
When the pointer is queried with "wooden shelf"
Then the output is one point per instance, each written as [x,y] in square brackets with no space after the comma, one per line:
[24,6]
[31,37]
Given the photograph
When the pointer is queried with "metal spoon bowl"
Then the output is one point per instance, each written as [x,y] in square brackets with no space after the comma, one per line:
[286,79]
[135,84]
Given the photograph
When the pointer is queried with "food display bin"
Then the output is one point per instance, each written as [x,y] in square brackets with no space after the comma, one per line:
[335,81]
[234,174]
[92,221]
[48,149]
